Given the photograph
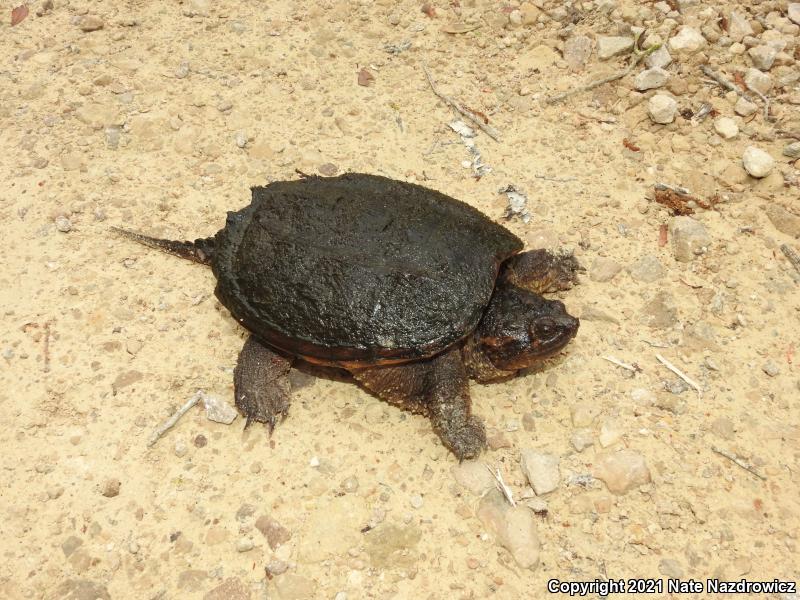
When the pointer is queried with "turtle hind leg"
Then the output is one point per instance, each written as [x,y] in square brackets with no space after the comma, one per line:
[437,388]
[261,384]
[541,271]
[199,251]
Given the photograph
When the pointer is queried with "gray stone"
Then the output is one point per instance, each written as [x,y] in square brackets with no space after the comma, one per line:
[577,51]
[582,439]
[662,108]
[647,269]
[603,269]
[757,162]
[610,46]
[650,79]
[763,57]
[792,150]
[659,59]
[218,410]
[726,127]
[63,224]
[687,40]
[771,368]
[660,312]
[758,81]
[89,23]
[793,12]
[541,470]
[621,471]
[514,528]
[275,533]
[744,107]
[738,27]
[689,238]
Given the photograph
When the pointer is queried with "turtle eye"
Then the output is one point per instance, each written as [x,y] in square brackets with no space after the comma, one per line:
[544,329]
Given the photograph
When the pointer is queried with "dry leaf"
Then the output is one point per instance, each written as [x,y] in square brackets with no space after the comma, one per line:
[459,27]
[662,235]
[739,79]
[365,78]
[18,14]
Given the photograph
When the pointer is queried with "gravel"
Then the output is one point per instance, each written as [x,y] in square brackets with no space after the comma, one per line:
[757,162]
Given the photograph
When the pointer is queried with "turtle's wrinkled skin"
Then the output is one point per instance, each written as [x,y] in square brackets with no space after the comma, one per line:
[410,290]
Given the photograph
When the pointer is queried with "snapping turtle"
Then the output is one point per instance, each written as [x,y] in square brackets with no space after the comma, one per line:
[412,291]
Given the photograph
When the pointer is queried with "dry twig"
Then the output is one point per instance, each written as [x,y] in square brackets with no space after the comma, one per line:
[728,85]
[169,423]
[739,462]
[638,56]
[501,485]
[619,363]
[679,373]
[467,114]
[46,349]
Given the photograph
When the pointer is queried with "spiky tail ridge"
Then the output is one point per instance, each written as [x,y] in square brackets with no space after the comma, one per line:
[199,251]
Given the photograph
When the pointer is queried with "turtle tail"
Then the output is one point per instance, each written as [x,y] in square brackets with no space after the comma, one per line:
[199,251]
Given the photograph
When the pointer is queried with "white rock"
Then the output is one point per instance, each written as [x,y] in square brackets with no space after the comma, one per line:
[541,470]
[726,127]
[689,238]
[744,107]
[473,476]
[758,81]
[63,224]
[793,12]
[218,410]
[757,162]
[659,59]
[650,79]
[662,109]
[610,434]
[687,40]
[513,528]
[792,150]
[608,46]
[738,27]
[621,471]
[763,57]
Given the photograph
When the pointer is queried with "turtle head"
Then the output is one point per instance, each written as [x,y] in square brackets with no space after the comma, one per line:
[521,328]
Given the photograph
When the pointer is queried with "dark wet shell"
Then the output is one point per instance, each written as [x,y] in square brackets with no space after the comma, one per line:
[358,269]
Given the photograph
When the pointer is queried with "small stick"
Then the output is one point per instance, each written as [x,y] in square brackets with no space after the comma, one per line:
[673,188]
[638,56]
[739,462]
[487,129]
[723,82]
[619,363]
[680,374]
[46,349]
[501,485]
[169,423]
[793,256]
[556,179]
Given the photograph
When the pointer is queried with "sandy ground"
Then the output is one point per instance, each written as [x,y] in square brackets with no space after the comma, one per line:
[159,116]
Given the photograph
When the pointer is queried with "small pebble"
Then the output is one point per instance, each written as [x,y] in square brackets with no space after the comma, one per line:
[651,79]
[621,471]
[63,224]
[90,23]
[200,441]
[726,127]
[276,567]
[792,150]
[744,107]
[541,470]
[757,162]
[180,449]
[182,70]
[662,109]
[350,485]
[225,106]
[244,545]
[328,169]
[416,501]
[771,368]
[111,488]
[241,139]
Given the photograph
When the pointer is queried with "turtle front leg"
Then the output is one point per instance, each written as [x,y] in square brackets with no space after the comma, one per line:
[437,388]
[541,271]
[261,384]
